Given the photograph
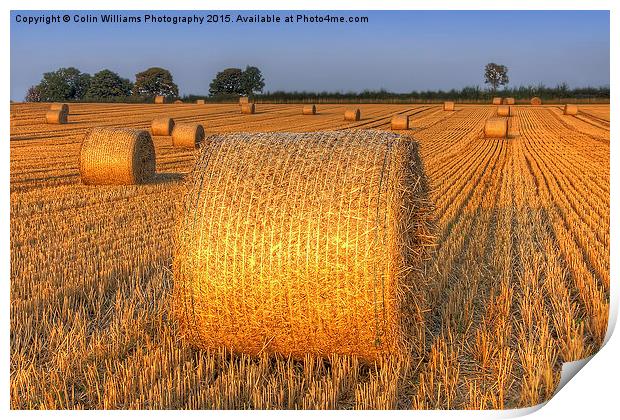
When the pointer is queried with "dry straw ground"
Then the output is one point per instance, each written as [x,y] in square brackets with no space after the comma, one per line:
[520,275]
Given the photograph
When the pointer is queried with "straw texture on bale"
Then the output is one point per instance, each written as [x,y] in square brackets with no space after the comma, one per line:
[448,106]
[400,122]
[117,156]
[496,127]
[303,243]
[200,101]
[504,111]
[244,100]
[60,107]
[509,101]
[188,135]
[162,126]
[536,101]
[55,117]
[570,109]
[248,108]
[160,99]
[352,114]
[309,110]
[497,101]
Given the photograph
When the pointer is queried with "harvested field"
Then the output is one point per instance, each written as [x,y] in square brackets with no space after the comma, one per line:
[519,274]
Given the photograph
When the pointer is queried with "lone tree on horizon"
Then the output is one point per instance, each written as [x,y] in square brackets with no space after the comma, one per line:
[495,75]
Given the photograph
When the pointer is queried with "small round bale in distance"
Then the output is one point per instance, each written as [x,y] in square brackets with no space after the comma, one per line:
[244,100]
[188,136]
[200,101]
[55,117]
[248,108]
[159,99]
[162,126]
[497,101]
[271,261]
[509,101]
[535,101]
[448,106]
[400,122]
[309,110]
[178,101]
[352,114]
[60,107]
[117,156]
[504,111]
[496,127]
[570,109]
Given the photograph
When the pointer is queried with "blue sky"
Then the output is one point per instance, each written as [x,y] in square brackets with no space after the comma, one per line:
[399,51]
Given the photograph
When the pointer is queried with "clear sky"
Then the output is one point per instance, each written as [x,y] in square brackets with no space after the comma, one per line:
[399,51]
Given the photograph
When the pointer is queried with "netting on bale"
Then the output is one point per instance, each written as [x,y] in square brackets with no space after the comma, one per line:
[304,243]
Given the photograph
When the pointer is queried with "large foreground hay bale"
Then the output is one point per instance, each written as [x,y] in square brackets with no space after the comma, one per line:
[448,106]
[159,99]
[352,114]
[60,107]
[504,111]
[200,101]
[400,122]
[496,127]
[188,135]
[117,156]
[55,117]
[536,101]
[570,109]
[497,101]
[509,101]
[303,243]
[162,126]
[309,110]
[244,100]
[248,108]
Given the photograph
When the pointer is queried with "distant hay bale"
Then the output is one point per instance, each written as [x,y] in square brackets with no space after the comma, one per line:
[117,156]
[309,110]
[200,101]
[304,243]
[536,101]
[178,101]
[159,99]
[188,135]
[496,127]
[162,126]
[244,100]
[570,109]
[448,106]
[60,107]
[400,122]
[55,117]
[248,108]
[497,101]
[504,111]
[509,101]
[352,114]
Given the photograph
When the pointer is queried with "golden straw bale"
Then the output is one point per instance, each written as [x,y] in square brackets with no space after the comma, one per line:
[249,108]
[496,127]
[117,156]
[244,100]
[536,101]
[570,109]
[448,106]
[504,111]
[304,243]
[178,101]
[188,135]
[55,117]
[309,110]
[400,122]
[159,99]
[162,126]
[200,101]
[497,101]
[352,114]
[60,107]
[509,101]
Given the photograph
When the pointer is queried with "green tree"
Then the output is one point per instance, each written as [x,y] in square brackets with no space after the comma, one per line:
[227,81]
[495,75]
[106,85]
[251,81]
[155,81]
[33,94]
[64,84]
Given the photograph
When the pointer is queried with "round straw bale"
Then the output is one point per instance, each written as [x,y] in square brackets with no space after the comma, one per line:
[448,106]
[248,108]
[504,111]
[178,101]
[509,101]
[159,99]
[352,114]
[536,101]
[497,101]
[60,107]
[162,126]
[570,109]
[309,110]
[117,156]
[496,127]
[400,122]
[200,101]
[304,243]
[55,117]
[244,100]
[188,135]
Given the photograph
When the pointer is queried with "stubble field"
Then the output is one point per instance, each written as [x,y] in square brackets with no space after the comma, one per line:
[520,267]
